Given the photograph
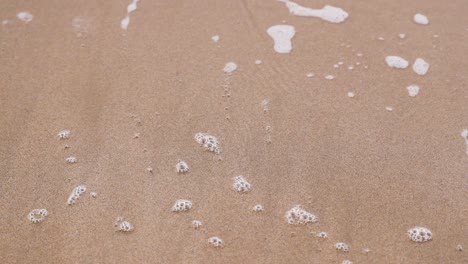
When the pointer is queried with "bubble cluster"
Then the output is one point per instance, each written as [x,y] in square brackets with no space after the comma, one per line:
[216,242]
[342,246]
[71,160]
[420,234]
[209,142]
[196,224]
[241,184]
[182,205]
[258,208]
[182,167]
[123,225]
[64,134]
[37,215]
[75,194]
[297,215]
[322,235]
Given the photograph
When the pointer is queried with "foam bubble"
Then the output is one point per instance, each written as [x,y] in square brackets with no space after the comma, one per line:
[25,16]
[322,235]
[37,215]
[342,246]
[182,167]
[76,194]
[216,242]
[258,208]
[310,75]
[71,160]
[365,250]
[420,234]
[328,13]
[282,35]
[123,225]
[230,67]
[421,19]
[389,108]
[420,66]
[351,94]
[64,134]
[196,224]
[459,248]
[464,134]
[241,184]
[347,262]
[258,62]
[265,105]
[381,38]
[413,90]
[182,205]
[402,35]
[329,77]
[297,215]
[209,142]
[126,20]
[81,25]
[396,62]
[93,194]
[215,38]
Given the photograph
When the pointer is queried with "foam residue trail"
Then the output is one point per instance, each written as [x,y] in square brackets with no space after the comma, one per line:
[328,13]
[126,20]
[282,35]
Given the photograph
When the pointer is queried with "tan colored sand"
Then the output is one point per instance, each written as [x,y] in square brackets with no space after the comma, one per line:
[368,174]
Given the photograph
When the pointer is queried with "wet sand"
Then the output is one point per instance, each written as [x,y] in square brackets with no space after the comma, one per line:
[367,173]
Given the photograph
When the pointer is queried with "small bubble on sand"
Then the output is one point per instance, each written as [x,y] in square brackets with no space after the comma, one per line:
[25,16]
[336,65]
[215,38]
[359,54]
[71,160]
[64,134]
[208,142]
[93,194]
[351,94]
[136,135]
[241,184]
[297,215]
[258,62]
[350,68]
[182,205]
[421,19]
[182,167]
[76,194]
[258,208]
[122,225]
[329,77]
[402,36]
[420,66]
[196,224]
[413,90]
[5,22]
[347,262]
[357,63]
[459,248]
[265,105]
[389,108]
[282,35]
[342,246]
[365,250]
[322,235]
[149,169]
[230,67]
[216,242]
[340,63]
[420,234]
[396,62]
[310,75]
[37,215]
[381,38]
[464,135]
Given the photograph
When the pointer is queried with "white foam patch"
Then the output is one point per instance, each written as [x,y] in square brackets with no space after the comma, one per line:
[396,62]
[351,94]
[216,242]
[64,134]
[342,246]
[258,62]
[421,19]
[125,22]
[328,13]
[297,215]
[389,108]
[282,35]
[215,38]
[25,16]
[413,90]
[230,67]
[123,225]
[420,66]
[310,75]
[37,215]
[402,35]
[420,234]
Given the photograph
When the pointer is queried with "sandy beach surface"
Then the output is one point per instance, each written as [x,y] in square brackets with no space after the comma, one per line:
[370,165]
